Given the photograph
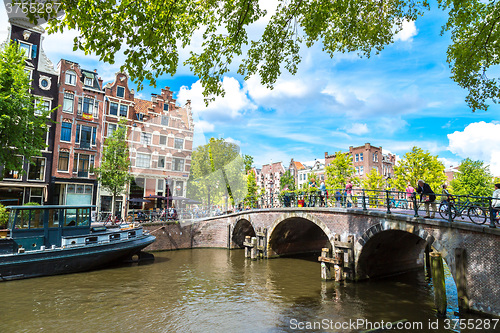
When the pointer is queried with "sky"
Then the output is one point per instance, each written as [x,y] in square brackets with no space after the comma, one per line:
[400,98]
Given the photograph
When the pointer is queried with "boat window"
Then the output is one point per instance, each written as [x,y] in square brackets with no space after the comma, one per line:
[70,218]
[83,217]
[23,219]
[53,218]
[36,219]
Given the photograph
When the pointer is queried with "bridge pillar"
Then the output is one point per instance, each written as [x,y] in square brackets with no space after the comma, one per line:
[461,280]
[248,241]
[438,283]
[253,250]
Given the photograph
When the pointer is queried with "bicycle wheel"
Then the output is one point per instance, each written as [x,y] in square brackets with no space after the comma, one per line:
[477,215]
[443,211]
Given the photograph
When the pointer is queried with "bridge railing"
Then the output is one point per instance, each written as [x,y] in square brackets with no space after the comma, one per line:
[475,209]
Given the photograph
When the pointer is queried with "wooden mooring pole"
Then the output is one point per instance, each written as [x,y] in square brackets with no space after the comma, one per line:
[247,244]
[438,283]
[326,273]
[339,266]
[427,260]
[253,250]
[461,280]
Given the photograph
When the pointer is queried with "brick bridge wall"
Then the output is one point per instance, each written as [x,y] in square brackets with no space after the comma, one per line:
[383,242]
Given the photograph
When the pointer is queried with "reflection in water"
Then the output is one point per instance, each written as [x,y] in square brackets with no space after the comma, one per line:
[209,290]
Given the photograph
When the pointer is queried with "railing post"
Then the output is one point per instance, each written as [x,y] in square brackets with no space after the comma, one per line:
[364,200]
[415,207]
[492,214]
[450,218]
[388,201]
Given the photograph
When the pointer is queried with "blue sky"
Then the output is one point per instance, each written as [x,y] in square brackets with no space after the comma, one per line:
[397,99]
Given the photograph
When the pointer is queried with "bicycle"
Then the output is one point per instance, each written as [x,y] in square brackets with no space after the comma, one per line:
[475,213]
[398,203]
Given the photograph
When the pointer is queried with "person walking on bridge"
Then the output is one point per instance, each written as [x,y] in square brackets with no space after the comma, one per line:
[495,202]
[428,197]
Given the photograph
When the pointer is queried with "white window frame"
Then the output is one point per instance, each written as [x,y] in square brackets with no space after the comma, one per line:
[108,134]
[58,157]
[166,140]
[44,100]
[88,82]
[183,164]
[20,176]
[68,75]
[29,45]
[164,162]
[44,169]
[175,143]
[117,92]
[72,104]
[142,158]
[146,135]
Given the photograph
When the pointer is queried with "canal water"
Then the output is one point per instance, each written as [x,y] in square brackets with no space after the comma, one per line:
[214,290]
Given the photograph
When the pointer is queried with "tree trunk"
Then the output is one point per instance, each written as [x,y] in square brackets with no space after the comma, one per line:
[113,210]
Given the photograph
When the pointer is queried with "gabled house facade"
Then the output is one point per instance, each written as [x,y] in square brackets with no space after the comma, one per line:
[35,184]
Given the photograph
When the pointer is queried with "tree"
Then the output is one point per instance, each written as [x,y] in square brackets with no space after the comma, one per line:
[473,178]
[114,173]
[287,180]
[217,170]
[22,131]
[4,216]
[248,161]
[151,33]
[339,171]
[252,190]
[373,181]
[418,164]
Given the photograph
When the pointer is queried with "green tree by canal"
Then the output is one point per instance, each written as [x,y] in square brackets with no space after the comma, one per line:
[287,180]
[472,178]
[339,171]
[252,190]
[418,164]
[114,172]
[23,123]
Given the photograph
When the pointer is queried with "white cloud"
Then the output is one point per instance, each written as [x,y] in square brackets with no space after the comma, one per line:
[227,108]
[448,162]
[231,140]
[407,33]
[204,126]
[357,128]
[478,141]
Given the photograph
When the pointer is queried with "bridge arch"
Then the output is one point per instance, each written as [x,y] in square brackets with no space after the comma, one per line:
[242,227]
[297,232]
[387,248]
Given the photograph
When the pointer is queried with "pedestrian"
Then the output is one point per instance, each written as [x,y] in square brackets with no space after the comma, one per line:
[410,192]
[322,193]
[312,192]
[445,194]
[348,189]
[338,196]
[495,202]
[428,197]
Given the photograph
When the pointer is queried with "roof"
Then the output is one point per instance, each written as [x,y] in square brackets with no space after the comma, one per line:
[142,106]
[299,165]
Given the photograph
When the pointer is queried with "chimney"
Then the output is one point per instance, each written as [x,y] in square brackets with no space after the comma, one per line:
[100,82]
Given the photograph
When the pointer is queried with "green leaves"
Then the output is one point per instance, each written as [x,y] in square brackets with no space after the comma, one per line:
[339,171]
[287,180]
[22,133]
[418,164]
[473,178]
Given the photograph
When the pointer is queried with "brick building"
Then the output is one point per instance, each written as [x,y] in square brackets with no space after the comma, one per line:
[78,136]
[368,157]
[317,167]
[160,137]
[294,168]
[34,184]
[271,176]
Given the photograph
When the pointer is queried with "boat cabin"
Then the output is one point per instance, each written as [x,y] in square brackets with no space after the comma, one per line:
[31,227]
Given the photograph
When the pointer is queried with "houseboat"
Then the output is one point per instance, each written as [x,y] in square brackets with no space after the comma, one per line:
[50,240]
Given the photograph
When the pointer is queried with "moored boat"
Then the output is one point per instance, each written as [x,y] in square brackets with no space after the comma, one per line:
[50,240]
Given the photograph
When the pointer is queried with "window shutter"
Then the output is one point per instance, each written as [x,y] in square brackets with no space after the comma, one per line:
[77,139]
[96,108]
[94,130]
[79,105]
[33,51]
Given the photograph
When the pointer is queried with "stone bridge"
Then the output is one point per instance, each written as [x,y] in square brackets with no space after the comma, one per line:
[384,244]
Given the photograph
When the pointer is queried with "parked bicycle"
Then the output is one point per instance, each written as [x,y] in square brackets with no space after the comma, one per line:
[474,212]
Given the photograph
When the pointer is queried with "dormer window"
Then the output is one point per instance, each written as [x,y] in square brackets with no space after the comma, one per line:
[70,78]
[89,82]
[120,92]
[26,48]
[139,116]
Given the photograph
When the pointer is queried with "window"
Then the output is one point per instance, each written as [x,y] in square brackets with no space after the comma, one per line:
[165,107]
[178,164]
[66,132]
[111,129]
[357,170]
[85,135]
[356,158]
[160,185]
[88,105]
[375,157]
[88,82]
[63,163]
[70,78]
[12,174]
[36,168]
[42,107]
[36,195]
[361,170]
[146,138]
[164,120]
[179,143]
[375,168]
[143,160]
[113,109]
[163,140]
[361,156]
[68,102]
[120,92]
[81,165]
[139,116]
[26,48]
[161,162]
[123,110]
